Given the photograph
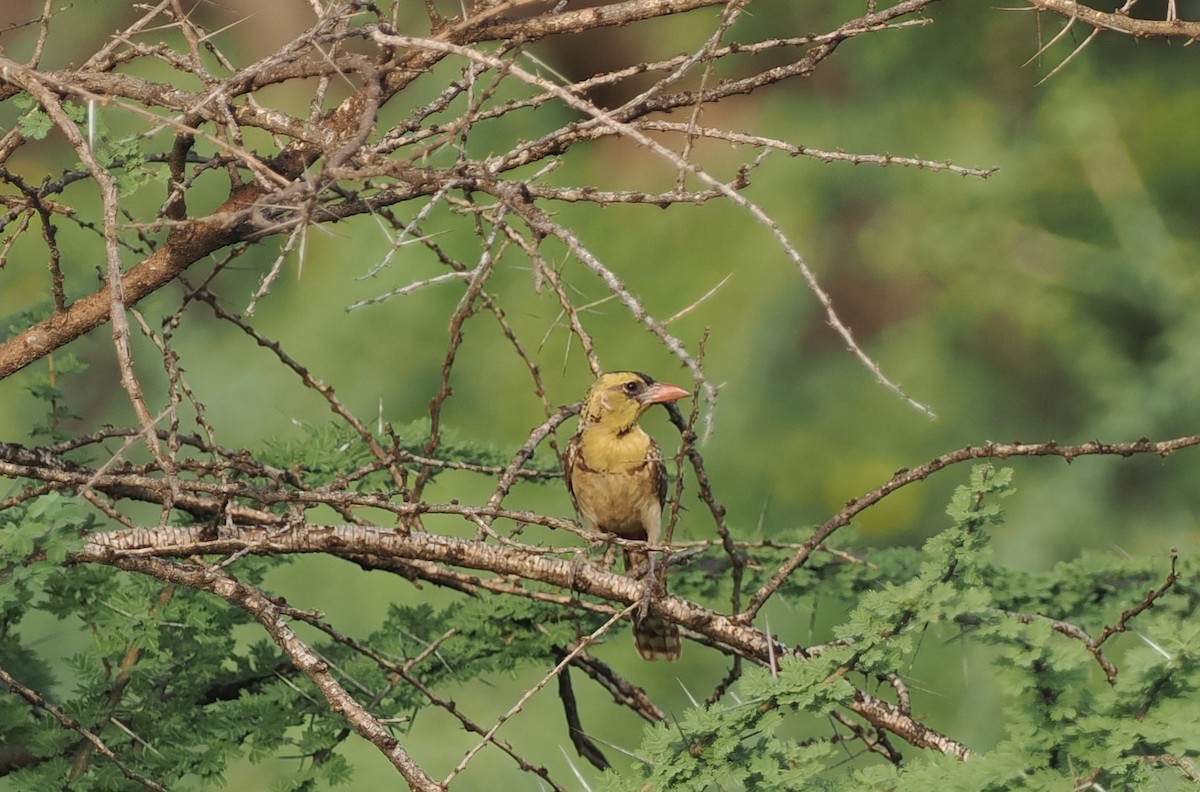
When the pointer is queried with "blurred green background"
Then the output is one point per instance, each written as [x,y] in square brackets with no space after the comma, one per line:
[1056,300]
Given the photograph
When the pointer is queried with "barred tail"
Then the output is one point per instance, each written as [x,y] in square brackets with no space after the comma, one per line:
[656,638]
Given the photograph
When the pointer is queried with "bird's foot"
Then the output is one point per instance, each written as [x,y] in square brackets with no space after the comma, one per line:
[652,587]
[647,595]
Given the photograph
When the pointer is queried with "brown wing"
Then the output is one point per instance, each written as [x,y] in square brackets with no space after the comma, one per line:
[571,460]
[658,472]
[654,637]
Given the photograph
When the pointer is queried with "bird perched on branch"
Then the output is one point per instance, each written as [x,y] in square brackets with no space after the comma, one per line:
[618,482]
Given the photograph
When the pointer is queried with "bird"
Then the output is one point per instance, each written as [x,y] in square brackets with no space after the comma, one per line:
[618,483]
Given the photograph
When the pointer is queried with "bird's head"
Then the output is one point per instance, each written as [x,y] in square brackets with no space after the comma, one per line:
[618,399]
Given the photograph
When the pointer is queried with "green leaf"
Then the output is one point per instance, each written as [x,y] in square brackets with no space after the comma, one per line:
[35,124]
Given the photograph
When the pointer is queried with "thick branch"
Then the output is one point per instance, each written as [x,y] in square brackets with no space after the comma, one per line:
[123,548]
[576,21]
[185,245]
[355,540]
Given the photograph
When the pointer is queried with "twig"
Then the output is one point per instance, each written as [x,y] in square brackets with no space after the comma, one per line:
[532,691]
[583,744]
[1151,597]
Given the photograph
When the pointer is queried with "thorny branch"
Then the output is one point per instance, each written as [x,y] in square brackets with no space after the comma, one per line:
[356,153]
[273,204]
[268,614]
[1094,645]
[1119,20]
[433,555]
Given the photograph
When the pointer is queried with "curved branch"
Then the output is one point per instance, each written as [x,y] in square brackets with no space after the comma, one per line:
[906,476]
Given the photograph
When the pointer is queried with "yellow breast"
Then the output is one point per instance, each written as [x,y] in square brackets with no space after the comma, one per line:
[616,486]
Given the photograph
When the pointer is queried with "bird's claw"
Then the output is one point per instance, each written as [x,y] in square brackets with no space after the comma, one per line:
[650,588]
[647,595]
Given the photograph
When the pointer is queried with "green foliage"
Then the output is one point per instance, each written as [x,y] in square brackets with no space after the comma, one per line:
[164,663]
[1063,724]
[724,747]
[208,699]
[48,388]
[127,160]
[1055,300]
[34,124]
[37,539]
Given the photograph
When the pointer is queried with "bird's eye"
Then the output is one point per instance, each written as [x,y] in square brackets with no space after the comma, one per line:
[632,387]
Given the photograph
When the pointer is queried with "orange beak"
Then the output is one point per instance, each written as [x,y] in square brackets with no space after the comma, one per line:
[663,392]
